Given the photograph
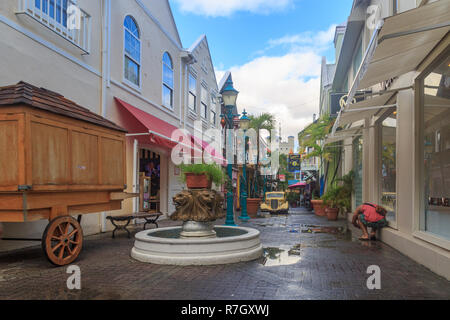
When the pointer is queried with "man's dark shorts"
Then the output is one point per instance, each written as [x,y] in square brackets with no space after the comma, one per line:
[377,225]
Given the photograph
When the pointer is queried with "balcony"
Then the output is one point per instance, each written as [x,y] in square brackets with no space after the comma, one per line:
[63,17]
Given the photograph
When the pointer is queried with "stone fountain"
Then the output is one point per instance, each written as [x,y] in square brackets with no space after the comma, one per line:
[198,241]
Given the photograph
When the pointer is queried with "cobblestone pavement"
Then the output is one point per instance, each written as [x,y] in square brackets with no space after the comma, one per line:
[304,261]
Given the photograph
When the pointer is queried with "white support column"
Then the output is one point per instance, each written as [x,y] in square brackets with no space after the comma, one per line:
[405,160]
[366,183]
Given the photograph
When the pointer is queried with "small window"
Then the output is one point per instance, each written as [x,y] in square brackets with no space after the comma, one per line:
[132,51]
[213,109]
[204,101]
[213,117]
[192,92]
[167,81]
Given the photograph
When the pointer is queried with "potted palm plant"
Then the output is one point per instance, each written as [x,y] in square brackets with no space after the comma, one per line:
[332,199]
[263,121]
[318,204]
[338,198]
[201,176]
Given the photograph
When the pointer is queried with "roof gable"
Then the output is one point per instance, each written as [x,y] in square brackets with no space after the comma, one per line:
[43,99]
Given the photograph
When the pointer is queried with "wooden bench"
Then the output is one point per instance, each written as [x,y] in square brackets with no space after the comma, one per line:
[149,217]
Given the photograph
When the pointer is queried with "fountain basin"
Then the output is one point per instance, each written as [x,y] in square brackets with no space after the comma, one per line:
[164,246]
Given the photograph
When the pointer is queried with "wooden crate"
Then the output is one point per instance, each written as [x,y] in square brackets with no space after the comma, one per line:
[56,158]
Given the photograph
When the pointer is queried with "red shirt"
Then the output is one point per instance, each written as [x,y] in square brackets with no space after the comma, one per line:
[370,214]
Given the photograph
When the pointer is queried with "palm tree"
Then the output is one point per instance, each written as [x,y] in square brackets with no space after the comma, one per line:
[263,121]
[313,135]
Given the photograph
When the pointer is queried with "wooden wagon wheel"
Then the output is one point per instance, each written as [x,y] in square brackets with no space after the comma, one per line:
[62,240]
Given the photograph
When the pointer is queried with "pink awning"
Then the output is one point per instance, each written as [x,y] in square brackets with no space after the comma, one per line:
[297,185]
[216,155]
[159,131]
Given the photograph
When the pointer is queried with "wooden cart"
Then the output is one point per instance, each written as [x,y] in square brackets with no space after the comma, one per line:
[57,160]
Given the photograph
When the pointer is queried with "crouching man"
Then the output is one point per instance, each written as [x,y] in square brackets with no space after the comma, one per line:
[369,215]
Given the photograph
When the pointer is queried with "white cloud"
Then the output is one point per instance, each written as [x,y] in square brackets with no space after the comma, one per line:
[287,86]
[306,40]
[225,8]
[309,37]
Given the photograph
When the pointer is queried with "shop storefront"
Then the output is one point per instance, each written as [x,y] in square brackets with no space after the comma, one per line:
[402,159]
[434,152]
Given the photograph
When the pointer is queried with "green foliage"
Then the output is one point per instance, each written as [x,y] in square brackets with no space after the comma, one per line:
[292,197]
[340,196]
[263,121]
[311,136]
[214,172]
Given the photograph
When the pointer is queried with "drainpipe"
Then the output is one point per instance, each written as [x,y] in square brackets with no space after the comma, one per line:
[106,9]
[181,91]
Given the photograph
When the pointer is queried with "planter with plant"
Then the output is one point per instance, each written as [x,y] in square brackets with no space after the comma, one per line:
[338,198]
[292,198]
[201,176]
[333,202]
[318,205]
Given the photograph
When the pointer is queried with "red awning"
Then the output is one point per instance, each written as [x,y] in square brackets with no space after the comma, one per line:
[216,156]
[154,130]
[297,185]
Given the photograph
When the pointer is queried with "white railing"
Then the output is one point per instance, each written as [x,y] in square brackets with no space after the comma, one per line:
[63,17]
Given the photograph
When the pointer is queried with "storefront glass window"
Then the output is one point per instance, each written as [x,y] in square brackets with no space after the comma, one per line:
[388,165]
[358,169]
[435,216]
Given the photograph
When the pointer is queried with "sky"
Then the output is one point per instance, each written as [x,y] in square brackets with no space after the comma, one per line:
[272,47]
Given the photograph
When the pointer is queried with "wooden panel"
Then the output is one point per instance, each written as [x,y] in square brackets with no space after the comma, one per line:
[84,159]
[49,154]
[9,153]
[112,160]
[17,216]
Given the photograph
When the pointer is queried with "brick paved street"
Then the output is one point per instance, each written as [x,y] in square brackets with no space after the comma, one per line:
[305,265]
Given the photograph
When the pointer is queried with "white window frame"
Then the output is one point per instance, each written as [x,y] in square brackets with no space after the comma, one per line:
[204,115]
[213,108]
[165,84]
[124,55]
[191,74]
[418,179]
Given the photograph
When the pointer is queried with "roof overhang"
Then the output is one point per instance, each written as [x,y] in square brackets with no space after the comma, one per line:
[404,41]
[344,134]
[367,108]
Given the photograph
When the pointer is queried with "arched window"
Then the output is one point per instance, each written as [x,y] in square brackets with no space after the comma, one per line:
[132,51]
[167,81]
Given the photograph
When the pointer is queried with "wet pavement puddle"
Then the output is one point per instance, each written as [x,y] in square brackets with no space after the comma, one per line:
[281,256]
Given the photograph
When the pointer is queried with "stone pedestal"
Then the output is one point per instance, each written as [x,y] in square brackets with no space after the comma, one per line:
[194,229]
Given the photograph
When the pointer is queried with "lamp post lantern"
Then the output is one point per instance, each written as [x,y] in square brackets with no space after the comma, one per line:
[229,97]
[244,124]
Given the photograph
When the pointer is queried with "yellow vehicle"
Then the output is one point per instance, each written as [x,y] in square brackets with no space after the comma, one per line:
[276,202]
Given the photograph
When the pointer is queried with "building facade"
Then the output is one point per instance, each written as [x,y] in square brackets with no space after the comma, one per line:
[125,61]
[394,130]
[287,147]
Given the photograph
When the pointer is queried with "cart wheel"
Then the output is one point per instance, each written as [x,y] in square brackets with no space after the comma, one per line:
[62,240]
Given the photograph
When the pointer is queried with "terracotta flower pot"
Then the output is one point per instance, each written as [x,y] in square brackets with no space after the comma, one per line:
[332,213]
[253,206]
[319,207]
[198,181]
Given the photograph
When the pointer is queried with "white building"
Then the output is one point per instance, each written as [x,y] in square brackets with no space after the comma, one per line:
[126,62]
